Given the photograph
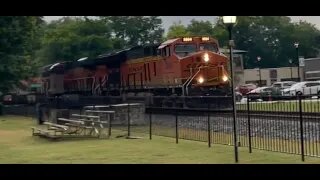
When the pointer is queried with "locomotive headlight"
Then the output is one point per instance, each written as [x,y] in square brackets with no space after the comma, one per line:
[224,78]
[206,57]
[201,80]
[187,39]
[205,38]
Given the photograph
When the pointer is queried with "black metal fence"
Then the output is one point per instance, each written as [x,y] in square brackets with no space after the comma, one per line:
[287,126]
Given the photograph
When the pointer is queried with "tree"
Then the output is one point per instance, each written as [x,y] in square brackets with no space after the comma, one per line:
[200,28]
[271,38]
[308,37]
[18,40]
[69,39]
[135,30]
[177,30]
[195,28]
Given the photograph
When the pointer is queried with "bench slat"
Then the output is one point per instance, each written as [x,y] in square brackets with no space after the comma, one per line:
[56,125]
[70,120]
[86,116]
[41,130]
[107,112]
[87,127]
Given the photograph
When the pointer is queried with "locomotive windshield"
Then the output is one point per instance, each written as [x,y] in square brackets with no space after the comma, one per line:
[209,47]
[183,50]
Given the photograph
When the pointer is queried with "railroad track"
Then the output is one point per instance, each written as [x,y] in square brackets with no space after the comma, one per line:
[242,113]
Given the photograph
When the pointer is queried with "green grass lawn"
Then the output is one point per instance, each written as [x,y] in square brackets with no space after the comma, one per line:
[18,146]
[287,106]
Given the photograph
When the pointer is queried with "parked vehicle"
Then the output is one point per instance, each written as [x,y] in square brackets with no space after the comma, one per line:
[246,88]
[238,96]
[283,84]
[303,88]
[260,93]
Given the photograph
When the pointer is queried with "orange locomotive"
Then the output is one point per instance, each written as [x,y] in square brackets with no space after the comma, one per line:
[181,66]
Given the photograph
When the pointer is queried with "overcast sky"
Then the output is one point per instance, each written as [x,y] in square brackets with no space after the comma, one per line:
[168,20]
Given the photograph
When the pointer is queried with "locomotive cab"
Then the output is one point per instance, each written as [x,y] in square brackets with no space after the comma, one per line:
[194,63]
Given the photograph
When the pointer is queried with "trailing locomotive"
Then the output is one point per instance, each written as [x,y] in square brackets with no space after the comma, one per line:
[181,66]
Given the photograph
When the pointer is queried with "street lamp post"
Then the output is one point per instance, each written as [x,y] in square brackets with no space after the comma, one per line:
[260,82]
[296,45]
[229,21]
[290,61]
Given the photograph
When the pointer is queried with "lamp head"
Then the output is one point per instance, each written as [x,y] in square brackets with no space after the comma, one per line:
[229,20]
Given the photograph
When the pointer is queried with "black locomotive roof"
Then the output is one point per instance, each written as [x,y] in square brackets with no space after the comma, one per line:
[111,59]
[115,58]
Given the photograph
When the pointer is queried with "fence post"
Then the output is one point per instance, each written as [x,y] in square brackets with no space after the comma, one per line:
[150,118]
[177,132]
[150,125]
[209,127]
[129,120]
[249,123]
[110,124]
[301,128]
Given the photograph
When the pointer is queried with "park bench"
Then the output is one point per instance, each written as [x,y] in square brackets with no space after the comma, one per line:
[95,121]
[81,125]
[95,107]
[55,126]
[100,112]
[85,116]
[78,121]
[107,114]
[77,126]
[36,131]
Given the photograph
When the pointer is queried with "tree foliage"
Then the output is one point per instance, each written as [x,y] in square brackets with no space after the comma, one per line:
[177,30]
[18,39]
[135,30]
[69,39]
[270,37]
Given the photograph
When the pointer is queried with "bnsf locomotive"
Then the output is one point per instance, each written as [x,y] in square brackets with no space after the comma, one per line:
[182,66]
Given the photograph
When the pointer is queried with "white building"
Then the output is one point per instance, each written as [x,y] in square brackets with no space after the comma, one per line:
[311,69]
[270,75]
